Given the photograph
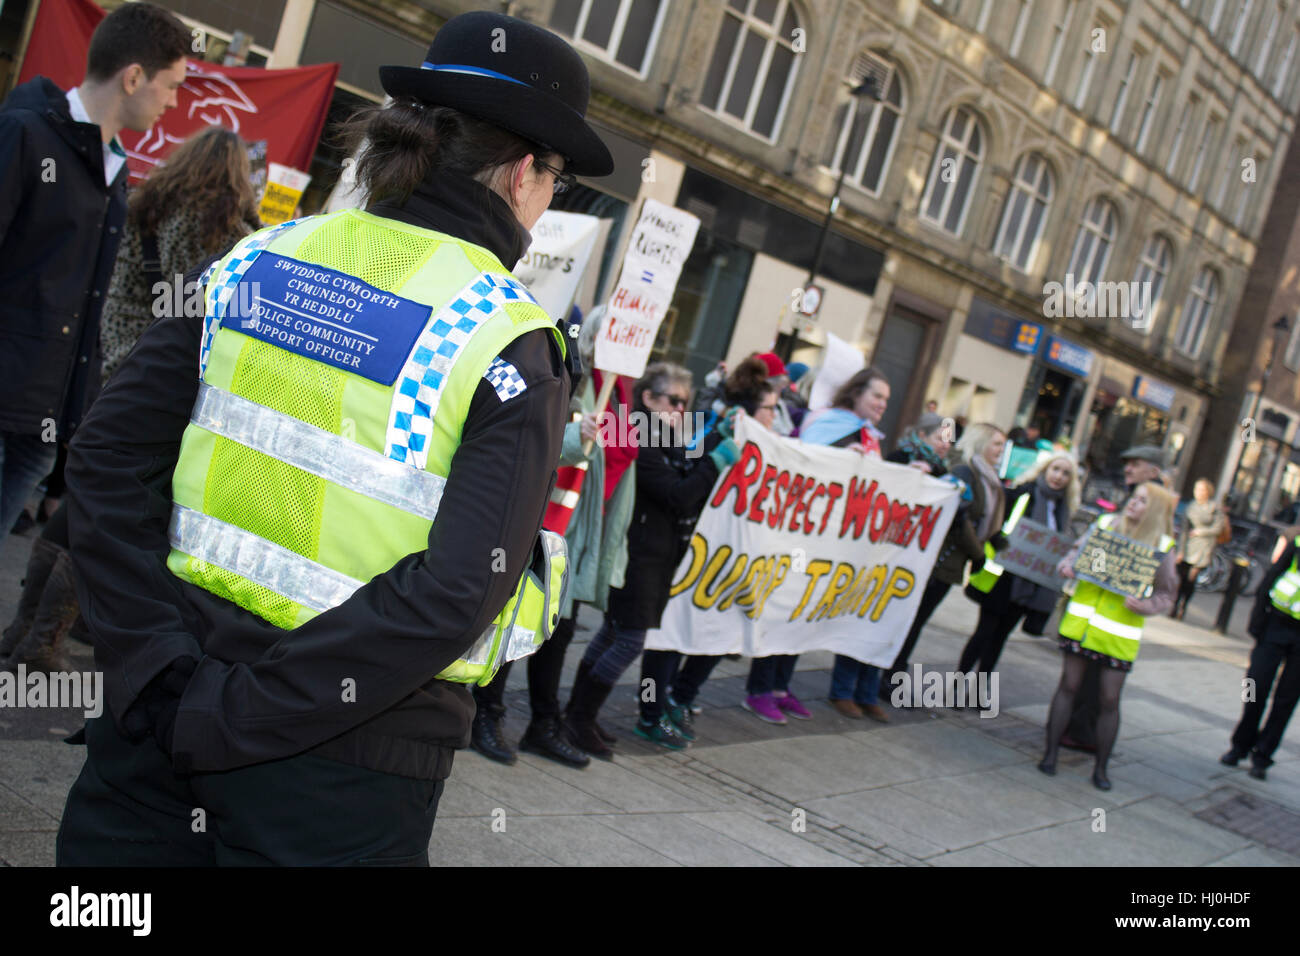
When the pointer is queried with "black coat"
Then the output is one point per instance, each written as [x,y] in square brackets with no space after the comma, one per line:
[60,225]
[1041,601]
[671,491]
[259,693]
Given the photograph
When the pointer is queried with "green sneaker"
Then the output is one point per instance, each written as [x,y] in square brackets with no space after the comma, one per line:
[681,718]
[662,733]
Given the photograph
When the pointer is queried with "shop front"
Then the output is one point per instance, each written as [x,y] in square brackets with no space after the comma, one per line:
[1054,392]
[1266,479]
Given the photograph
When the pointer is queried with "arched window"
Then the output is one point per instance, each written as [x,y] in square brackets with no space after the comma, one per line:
[1025,211]
[953,171]
[621,31]
[1093,243]
[1152,268]
[1197,312]
[866,145]
[753,65]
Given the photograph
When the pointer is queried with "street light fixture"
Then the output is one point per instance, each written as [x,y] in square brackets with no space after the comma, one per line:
[871,88]
[1281,330]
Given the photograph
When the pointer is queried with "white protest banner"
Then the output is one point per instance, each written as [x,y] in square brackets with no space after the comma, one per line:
[661,243]
[840,361]
[804,547]
[554,263]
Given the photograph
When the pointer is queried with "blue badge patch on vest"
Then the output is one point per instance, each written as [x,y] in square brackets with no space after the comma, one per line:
[326,315]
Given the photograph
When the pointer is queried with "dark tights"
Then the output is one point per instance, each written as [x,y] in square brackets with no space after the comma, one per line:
[1112,681]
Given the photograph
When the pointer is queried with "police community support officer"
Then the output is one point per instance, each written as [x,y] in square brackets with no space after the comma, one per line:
[287,598]
[1275,625]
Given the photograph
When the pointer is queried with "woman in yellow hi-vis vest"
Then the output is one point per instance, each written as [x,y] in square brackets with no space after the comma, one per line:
[1107,627]
[305,516]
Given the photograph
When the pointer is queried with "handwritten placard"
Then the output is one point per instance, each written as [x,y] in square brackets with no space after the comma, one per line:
[1033,550]
[1116,563]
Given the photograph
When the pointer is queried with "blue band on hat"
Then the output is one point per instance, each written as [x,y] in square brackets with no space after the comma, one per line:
[472,70]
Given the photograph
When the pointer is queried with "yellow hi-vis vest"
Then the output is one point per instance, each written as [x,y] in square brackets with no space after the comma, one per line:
[1285,593]
[1098,619]
[340,354]
[992,571]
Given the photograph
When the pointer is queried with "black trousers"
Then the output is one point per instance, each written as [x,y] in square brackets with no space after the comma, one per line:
[129,808]
[682,674]
[1264,662]
[544,669]
[1186,585]
[931,597]
[991,633]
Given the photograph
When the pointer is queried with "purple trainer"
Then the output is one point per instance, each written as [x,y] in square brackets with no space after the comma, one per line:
[763,706]
[793,706]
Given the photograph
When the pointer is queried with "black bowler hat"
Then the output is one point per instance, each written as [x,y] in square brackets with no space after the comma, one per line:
[512,74]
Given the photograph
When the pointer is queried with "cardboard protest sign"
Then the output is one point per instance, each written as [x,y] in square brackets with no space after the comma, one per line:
[1112,561]
[284,187]
[804,547]
[554,264]
[661,243]
[1033,550]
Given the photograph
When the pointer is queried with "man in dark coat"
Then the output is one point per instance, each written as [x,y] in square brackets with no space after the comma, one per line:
[62,208]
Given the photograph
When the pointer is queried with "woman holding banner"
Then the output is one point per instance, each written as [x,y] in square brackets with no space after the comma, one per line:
[1047,494]
[671,489]
[852,422]
[1106,627]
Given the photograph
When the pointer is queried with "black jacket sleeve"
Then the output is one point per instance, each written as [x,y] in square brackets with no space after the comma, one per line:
[680,494]
[388,640]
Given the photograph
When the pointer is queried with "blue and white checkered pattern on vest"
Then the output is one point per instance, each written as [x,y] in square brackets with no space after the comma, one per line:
[420,384]
[219,293]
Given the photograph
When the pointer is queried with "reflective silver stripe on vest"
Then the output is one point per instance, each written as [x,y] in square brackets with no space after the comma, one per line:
[318,452]
[263,562]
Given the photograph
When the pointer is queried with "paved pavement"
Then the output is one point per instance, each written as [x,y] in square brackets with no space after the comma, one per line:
[936,787]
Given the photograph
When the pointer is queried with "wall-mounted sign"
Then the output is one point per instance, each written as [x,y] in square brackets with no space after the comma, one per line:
[1067,356]
[1153,393]
[986,321]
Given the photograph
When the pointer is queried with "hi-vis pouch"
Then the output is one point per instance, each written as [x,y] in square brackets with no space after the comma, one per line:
[528,619]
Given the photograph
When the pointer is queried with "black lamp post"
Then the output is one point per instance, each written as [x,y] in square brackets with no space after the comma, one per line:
[1281,329]
[868,89]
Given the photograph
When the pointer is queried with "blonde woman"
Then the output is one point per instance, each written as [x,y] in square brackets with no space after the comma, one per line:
[1106,627]
[978,519]
[1205,521]
[1046,494]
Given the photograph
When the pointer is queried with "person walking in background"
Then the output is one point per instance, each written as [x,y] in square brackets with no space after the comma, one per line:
[62,209]
[197,204]
[974,525]
[1205,523]
[852,421]
[1275,625]
[671,489]
[1046,494]
[1106,627]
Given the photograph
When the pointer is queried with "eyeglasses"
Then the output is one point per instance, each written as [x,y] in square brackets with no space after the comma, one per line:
[563,181]
[676,400]
[767,408]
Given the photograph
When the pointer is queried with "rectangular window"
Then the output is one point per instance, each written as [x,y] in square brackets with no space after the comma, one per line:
[620,31]
[1239,26]
[1284,67]
[1184,120]
[1058,41]
[1149,111]
[1245,191]
[1121,100]
[1085,75]
[1207,139]
[1022,21]
[1266,45]
[1216,16]
[982,24]
[1291,359]
[1231,171]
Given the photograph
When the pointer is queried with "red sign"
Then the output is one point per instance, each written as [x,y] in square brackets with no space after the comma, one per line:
[286,108]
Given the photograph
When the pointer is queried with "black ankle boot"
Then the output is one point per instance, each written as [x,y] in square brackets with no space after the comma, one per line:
[588,697]
[584,669]
[545,738]
[1100,780]
[486,737]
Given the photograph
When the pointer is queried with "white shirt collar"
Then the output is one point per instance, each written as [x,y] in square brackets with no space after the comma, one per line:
[114,154]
